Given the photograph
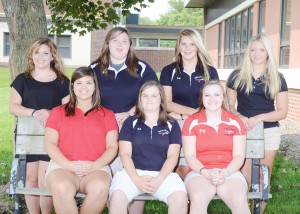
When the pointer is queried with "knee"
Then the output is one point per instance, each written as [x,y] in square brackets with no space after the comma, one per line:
[63,190]
[118,199]
[178,199]
[98,190]
[31,181]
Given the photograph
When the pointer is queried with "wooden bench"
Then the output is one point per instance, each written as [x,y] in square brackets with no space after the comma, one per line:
[29,139]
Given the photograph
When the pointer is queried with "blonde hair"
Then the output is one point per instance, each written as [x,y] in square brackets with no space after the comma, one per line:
[56,64]
[225,104]
[104,57]
[204,60]
[271,76]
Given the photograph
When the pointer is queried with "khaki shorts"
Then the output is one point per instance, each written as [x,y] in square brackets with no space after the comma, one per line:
[272,138]
[53,165]
[237,175]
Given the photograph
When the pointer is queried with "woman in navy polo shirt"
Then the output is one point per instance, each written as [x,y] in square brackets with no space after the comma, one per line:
[254,86]
[183,79]
[120,74]
[149,148]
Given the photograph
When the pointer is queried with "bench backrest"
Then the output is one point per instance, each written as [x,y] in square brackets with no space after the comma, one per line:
[30,138]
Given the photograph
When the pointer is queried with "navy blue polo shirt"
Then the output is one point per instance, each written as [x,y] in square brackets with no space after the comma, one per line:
[150,145]
[118,89]
[257,101]
[185,89]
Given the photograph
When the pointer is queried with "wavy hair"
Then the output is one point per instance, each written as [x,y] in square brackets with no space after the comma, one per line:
[225,104]
[271,76]
[104,57]
[56,64]
[71,105]
[163,115]
[204,60]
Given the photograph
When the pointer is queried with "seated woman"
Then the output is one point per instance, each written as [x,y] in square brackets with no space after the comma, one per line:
[214,145]
[81,139]
[149,148]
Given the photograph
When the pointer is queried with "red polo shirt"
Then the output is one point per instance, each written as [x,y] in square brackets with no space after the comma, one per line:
[213,146]
[80,137]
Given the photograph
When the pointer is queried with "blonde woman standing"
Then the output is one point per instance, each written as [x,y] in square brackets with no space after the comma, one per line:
[256,86]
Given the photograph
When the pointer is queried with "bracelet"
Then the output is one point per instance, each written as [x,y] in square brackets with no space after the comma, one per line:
[181,116]
[33,112]
[201,170]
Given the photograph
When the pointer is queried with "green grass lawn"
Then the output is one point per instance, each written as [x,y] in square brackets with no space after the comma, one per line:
[285,181]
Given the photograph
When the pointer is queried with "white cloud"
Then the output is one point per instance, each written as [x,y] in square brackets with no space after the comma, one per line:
[155,9]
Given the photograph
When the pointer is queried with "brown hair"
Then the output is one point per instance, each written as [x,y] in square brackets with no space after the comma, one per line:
[79,73]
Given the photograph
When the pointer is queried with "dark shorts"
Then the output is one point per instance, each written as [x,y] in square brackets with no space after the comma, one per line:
[34,158]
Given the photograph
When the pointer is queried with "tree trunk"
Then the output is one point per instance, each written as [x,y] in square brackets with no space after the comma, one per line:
[26,21]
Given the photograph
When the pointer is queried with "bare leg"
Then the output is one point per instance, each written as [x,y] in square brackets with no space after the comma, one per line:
[45,202]
[32,202]
[136,207]
[247,171]
[269,161]
[63,185]
[95,185]
[177,203]
[201,192]
[234,193]
[118,203]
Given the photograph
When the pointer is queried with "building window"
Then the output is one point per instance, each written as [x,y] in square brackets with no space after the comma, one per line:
[148,42]
[238,31]
[6,45]
[219,45]
[285,34]
[167,43]
[63,43]
[261,17]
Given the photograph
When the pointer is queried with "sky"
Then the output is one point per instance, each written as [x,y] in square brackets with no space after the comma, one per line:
[155,9]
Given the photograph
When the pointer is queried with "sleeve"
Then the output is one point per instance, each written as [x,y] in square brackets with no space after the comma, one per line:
[148,74]
[18,84]
[213,73]
[110,120]
[284,86]
[126,132]
[186,127]
[242,129]
[175,135]
[231,79]
[65,87]
[165,78]
[54,118]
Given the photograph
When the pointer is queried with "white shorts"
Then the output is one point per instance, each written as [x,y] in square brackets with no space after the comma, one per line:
[272,138]
[53,165]
[122,181]
[116,165]
[237,175]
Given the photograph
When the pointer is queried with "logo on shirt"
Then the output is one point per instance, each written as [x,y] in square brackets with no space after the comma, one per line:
[228,132]
[199,78]
[202,130]
[139,129]
[163,132]
[179,78]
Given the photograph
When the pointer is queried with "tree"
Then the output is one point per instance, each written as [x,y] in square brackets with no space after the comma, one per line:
[27,21]
[178,15]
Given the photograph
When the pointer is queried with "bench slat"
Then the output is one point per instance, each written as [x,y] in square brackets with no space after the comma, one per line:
[143,197]
[29,126]
[30,145]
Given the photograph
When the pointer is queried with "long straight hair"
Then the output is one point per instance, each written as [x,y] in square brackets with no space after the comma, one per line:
[271,76]
[204,60]
[104,57]
[71,105]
